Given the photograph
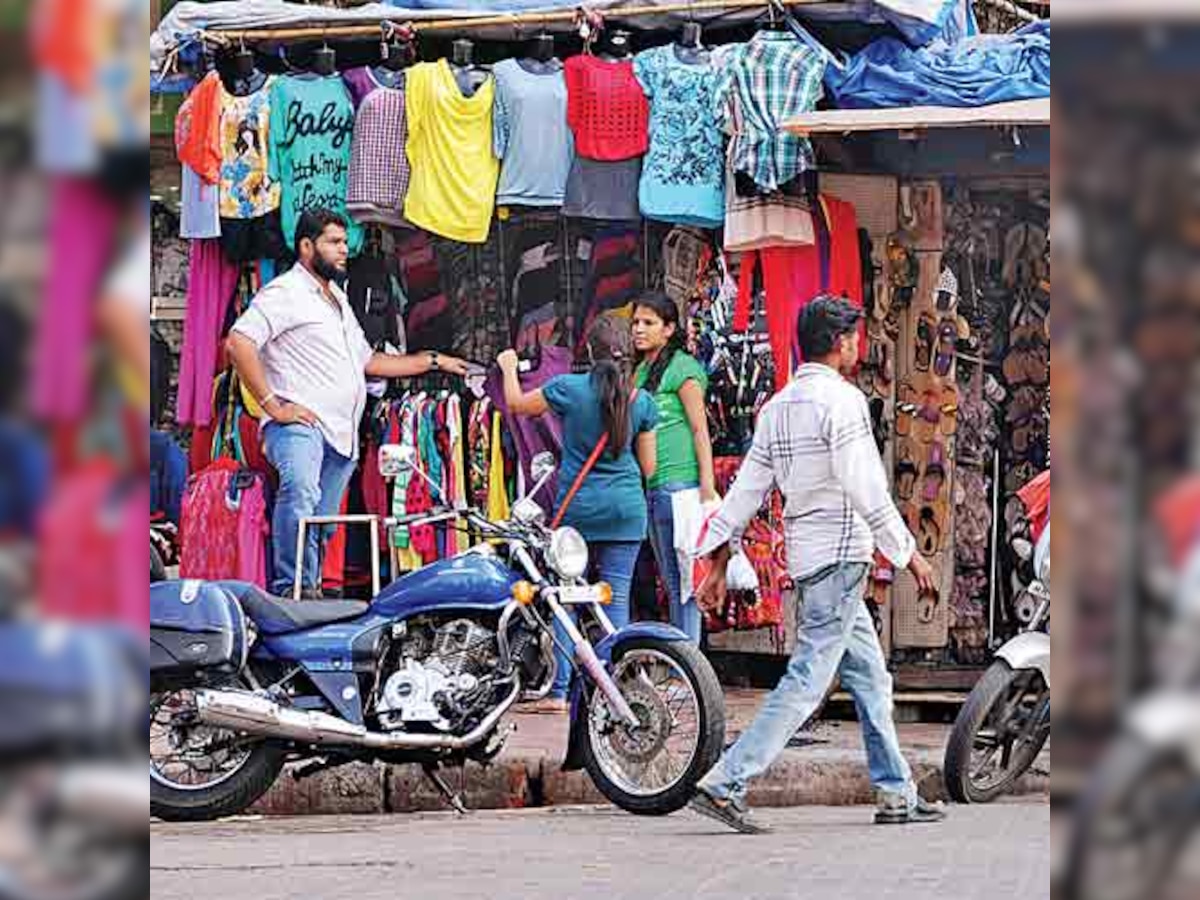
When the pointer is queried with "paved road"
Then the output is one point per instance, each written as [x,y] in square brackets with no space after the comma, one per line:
[986,853]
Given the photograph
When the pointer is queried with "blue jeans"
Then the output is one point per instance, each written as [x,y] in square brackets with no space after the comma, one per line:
[614,562]
[312,481]
[684,616]
[836,637]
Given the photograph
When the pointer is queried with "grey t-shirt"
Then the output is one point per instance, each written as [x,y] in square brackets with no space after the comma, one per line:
[530,135]
[313,353]
[603,190]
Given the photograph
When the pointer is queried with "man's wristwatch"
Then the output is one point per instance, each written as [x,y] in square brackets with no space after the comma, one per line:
[434,365]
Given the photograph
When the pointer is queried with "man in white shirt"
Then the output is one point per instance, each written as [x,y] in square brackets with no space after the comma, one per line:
[301,353]
[814,443]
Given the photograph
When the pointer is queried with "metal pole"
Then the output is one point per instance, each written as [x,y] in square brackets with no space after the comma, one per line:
[374,557]
[993,585]
[301,533]
[516,20]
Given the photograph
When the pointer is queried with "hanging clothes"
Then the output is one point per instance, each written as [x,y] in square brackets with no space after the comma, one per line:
[794,276]
[251,224]
[684,175]
[532,436]
[767,81]
[311,129]
[606,108]
[498,508]
[212,280]
[83,223]
[379,170]
[530,134]
[198,129]
[454,171]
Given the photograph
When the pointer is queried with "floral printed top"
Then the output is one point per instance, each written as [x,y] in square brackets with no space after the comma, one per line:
[247,191]
[683,181]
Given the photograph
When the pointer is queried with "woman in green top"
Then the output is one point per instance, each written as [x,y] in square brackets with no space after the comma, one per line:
[678,383]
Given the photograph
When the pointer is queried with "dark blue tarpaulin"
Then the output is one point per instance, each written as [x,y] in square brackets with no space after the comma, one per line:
[975,71]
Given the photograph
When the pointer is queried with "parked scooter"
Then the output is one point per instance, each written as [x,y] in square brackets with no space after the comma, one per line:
[74,803]
[1005,722]
[1141,807]
[242,681]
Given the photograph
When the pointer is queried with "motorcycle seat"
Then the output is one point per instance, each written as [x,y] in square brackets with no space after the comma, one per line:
[277,615]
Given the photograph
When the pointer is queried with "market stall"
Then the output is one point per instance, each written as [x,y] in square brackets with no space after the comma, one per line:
[495,203]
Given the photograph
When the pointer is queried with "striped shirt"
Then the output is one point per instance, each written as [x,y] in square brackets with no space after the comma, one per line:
[764,83]
[814,442]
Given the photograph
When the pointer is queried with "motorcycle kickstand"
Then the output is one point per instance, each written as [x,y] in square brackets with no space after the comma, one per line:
[435,776]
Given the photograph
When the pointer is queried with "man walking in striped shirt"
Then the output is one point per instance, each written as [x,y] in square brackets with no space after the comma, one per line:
[814,442]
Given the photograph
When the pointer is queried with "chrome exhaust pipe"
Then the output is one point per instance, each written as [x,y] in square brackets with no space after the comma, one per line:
[257,715]
[111,794]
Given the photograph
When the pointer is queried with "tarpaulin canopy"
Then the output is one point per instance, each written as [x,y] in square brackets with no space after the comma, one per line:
[918,20]
[976,71]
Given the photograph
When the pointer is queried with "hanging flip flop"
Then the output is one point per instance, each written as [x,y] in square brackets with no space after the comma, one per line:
[949,424]
[928,418]
[935,473]
[906,409]
[906,473]
[946,293]
[926,337]
[929,534]
[947,346]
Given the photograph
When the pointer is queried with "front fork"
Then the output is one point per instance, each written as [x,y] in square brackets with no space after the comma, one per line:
[586,656]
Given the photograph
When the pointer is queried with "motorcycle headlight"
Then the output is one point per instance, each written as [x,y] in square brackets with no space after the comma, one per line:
[568,553]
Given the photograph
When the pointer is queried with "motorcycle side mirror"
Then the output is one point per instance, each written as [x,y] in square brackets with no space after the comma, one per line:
[543,466]
[396,460]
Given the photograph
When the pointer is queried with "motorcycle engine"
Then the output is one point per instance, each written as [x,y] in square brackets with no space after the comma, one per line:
[441,675]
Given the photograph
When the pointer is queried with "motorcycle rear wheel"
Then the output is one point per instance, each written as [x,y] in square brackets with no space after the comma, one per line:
[984,723]
[675,693]
[248,773]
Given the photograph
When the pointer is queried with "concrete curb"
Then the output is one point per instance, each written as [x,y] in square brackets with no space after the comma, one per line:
[810,777]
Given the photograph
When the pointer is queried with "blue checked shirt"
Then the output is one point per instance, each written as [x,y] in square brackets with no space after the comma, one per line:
[814,442]
[765,82]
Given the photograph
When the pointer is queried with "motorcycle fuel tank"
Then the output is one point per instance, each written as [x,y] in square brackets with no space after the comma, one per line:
[472,581]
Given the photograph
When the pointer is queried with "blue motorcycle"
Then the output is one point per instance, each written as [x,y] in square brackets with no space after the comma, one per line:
[243,682]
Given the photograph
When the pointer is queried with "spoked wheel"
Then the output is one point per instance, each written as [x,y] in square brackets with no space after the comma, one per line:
[199,773]
[998,734]
[1133,823]
[673,691]
[47,855]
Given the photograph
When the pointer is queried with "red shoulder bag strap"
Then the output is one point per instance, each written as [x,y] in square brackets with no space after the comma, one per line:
[583,473]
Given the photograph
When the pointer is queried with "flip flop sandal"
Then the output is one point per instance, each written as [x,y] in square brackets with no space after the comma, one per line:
[949,410]
[906,409]
[906,474]
[946,293]
[1020,437]
[947,346]
[935,473]
[926,336]
[911,513]
[928,418]
[865,379]
[929,534]
[927,604]
[879,426]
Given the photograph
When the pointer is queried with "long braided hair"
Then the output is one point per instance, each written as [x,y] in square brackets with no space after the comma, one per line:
[667,310]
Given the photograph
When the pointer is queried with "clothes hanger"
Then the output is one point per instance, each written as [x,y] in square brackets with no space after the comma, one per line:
[802,34]
[614,45]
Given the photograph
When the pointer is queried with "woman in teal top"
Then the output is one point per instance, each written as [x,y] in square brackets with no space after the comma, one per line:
[610,508]
[678,384]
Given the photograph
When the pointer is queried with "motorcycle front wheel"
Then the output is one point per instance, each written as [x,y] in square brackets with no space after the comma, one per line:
[995,738]
[652,770]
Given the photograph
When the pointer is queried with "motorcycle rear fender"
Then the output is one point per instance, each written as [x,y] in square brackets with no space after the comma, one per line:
[1170,719]
[606,650]
[1030,650]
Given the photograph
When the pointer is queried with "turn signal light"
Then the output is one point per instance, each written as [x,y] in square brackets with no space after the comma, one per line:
[524,593]
[605,591]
